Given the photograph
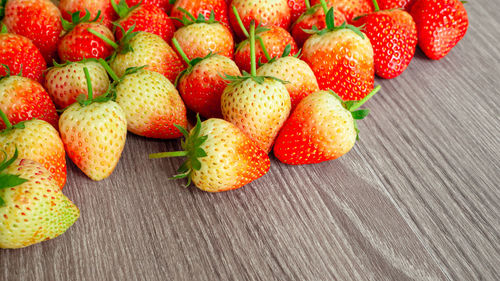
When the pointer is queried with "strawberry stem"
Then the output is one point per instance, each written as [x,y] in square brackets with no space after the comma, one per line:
[375,4]
[109,70]
[8,125]
[365,99]
[324,6]
[89,84]
[308,4]
[252,49]
[240,22]
[180,51]
[168,154]
[104,38]
[264,49]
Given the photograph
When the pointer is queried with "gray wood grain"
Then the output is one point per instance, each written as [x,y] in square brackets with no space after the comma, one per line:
[417,199]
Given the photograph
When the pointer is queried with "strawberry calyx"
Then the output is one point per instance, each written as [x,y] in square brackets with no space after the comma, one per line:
[286,53]
[124,45]
[122,9]
[190,19]
[89,99]
[77,19]
[191,63]
[9,180]
[191,146]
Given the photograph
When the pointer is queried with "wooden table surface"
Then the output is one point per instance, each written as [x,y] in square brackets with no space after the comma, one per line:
[418,198]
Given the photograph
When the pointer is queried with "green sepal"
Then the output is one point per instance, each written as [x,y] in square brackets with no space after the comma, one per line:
[190,67]
[330,26]
[246,76]
[122,9]
[8,73]
[286,53]
[125,41]
[66,63]
[77,19]
[8,180]
[188,18]
[3,28]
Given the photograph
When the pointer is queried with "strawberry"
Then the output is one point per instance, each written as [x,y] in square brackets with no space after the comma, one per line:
[341,58]
[143,17]
[93,131]
[21,56]
[440,25]
[36,140]
[219,157]
[66,82]
[204,7]
[24,99]
[257,105]
[142,48]
[201,36]
[393,35]
[201,84]
[395,4]
[350,8]
[162,4]
[264,13]
[314,16]
[298,74]
[321,128]
[107,13]
[297,7]
[32,207]
[151,103]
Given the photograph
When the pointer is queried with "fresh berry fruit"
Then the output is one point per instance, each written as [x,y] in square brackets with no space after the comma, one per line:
[202,36]
[298,74]
[219,157]
[143,17]
[38,20]
[297,8]
[32,207]
[321,128]
[66,82]
[264,13]
[204,7]
[151,103]
[342,59]
[142,48]
[162,4]
[201,84]
[36,140]
[441,24]
[314,16]
[257,105]
[23,99]
[350,8]
[396,4]
[107,14]
[93,131]
[393,35]
[21,56]
[79,42]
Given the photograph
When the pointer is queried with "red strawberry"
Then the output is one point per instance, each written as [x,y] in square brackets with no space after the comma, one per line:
[201,36]
[314,16]
[36,140]
[220,157]
[321,128]
[264,13]
[69,7]
[201,84]
[395,4]
[441,24]
[80,43]
[143,17]
[350,8]
[342,59]
[162,4]
[24,99]
[21,56]
[38,20]
[66,82]
[204,7]
[393,35]
[297,8]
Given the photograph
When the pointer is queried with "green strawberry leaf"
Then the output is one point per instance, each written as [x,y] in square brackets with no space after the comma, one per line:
[7,181]
[360,114]
[77,19]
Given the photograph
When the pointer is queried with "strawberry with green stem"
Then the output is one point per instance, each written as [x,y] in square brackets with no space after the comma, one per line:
[32,207]
[219,156]
[257,105]
[107,14]
[323,127]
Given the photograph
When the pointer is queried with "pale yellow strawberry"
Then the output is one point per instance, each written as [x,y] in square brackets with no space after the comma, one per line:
[200,39]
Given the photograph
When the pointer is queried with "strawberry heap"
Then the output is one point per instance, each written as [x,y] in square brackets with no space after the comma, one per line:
[286,77]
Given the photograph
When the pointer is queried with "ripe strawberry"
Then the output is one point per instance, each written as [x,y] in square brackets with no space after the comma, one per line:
[66,82]
[264,13]
[321,128]
[201,84]
[69,7]
[297,7]
[350,8]
[393,35]
[142,48]
[395,4]
[204,7]
[79,42]
[440,25]
[151,103]
[24,99]
[201,36]
[341,58]
[21,56]
[36,140]
[32,207]
[300,76]
[314,16]
[93,131]
[162,4]
[38,20]
[257,105]
[143,17]
[219,157]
